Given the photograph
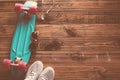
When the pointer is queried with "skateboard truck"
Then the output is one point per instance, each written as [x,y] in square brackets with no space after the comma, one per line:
[28,11]
[16,63]
[31,10]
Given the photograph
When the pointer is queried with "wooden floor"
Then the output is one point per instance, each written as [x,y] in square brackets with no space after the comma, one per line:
[80,39]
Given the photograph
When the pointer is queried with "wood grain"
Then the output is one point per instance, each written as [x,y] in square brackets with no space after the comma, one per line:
[80,39]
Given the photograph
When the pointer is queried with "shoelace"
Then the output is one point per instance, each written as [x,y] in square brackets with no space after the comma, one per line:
[31,76]
[43,78]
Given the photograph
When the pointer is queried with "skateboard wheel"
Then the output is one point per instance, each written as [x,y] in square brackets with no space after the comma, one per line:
[18,7]
[7,63]
[22,66]
[33,10]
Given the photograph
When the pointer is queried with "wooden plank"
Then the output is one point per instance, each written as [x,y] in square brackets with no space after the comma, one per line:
[108,39]
[79,72]
[11,18]
[62,6]
[54,58]
[70,44]
[60,0]
[81,31]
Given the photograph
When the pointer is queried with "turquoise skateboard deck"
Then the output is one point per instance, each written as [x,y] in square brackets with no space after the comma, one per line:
[22,38]
[20,52]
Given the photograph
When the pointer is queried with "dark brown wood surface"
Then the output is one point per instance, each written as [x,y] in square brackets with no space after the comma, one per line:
[80,39]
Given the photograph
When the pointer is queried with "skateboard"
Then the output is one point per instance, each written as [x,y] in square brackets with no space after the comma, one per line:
[20,52]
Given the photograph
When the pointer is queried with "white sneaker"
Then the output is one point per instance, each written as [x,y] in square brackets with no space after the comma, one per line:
[47,74]
[34,70]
